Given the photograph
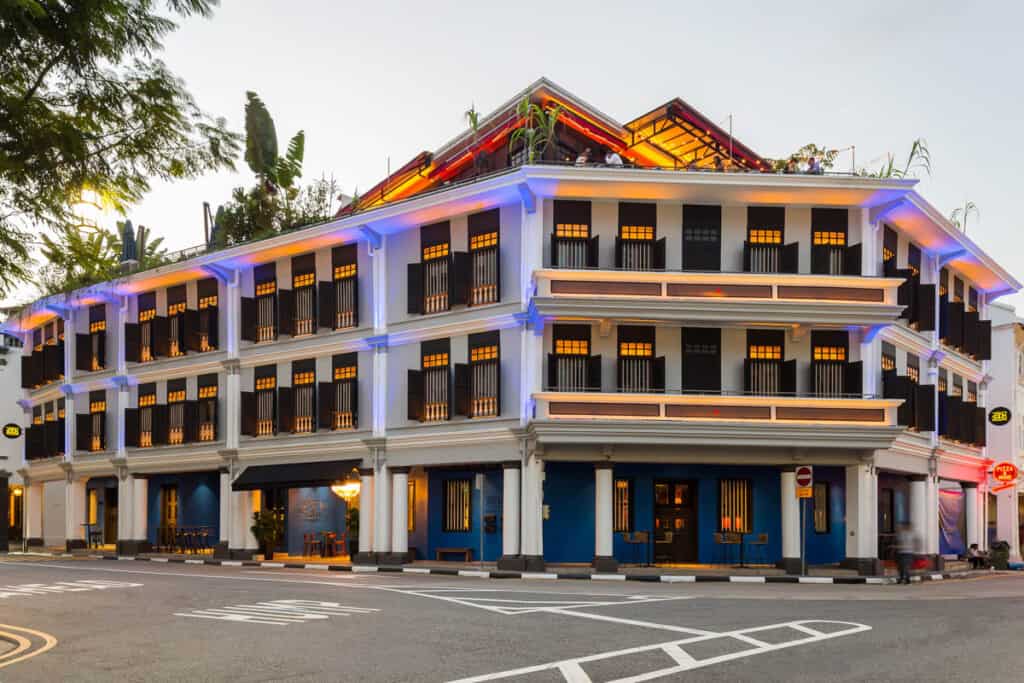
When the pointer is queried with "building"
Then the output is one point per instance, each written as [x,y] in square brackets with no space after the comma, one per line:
[1006,507]
[12,453]
[517,357]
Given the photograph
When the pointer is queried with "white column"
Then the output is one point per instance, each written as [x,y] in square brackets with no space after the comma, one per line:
[919,511]
[34,512]
[232,404]
[140,510]
[243,505]
[70,342]
[382,512]
[366,511]
[604,540]
[510,524]
[400,513]
[1006,520]
[380,388]
[70,422]
[117,444]
[74,513]
[533,512]
[125,508]
[972,518]
[224,538]
[790,521]
[862,517]
[932,515]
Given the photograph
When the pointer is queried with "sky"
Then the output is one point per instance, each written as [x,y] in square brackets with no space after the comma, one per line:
[369,81]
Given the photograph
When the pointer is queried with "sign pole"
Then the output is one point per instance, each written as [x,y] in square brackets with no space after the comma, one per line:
[803,537]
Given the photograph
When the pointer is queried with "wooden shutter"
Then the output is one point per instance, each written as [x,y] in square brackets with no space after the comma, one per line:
[658,259]
[747,379]
[414,288]
[101,348]
[594,373]
[819,259]
[325,404]
[285,312]
[190,330]
[248,318]
[463,387]
[852,260]
[854,380]
[53,437]
[905,293]
[458,278]
[790,261]
[971,319]
[27,376]
[83,352]
[353,389]
[925,407]
[618,251]
[787,377]
[451,394]
[554,251]
[594,252]
[248,406]
[552,373]
[160,424]
[327,305]
[191,413]
[131,427]
[161,337]
[746,256]
[979,427]
[132,341]
[955,322]
[984,343]
[415,394]
[285,410]
[53,362]
[213,334]
[658,374]
[83,431]
[925,308]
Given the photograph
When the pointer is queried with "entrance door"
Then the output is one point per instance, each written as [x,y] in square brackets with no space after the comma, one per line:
[168,514]
[110,515]
[675,521]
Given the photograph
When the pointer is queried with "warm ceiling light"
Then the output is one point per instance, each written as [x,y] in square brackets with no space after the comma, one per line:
[346,490]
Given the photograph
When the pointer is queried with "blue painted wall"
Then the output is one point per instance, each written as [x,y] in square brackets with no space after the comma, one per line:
[491,496]
[198,501]
[418,536]
[828,547]
[100,484]
[312,510]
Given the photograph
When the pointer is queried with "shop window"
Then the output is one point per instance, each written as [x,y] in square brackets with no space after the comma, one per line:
[457,504]
[822,523]
[622,505]
[735,505]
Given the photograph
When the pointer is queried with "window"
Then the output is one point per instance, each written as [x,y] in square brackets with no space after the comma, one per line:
[890,241]
[764,362]
[943,282]
[176,300]
[942,381]
[958,386]
[702,237]
[304,395]
[207,408]
[485,374]
[635,247]
[888,357]
[304,294]
[886,509]
[735,505]
[345,396]
[829,351]
[972,299]
[571,242]
[570,364]
[702,361]
[822,523]
[435,244]
[457,504]
[176,411]
[958,289]
[346,286]
[484,255]
[207,291]
[147,403]
[622,502]
[60,408]
[147,312]
[765,232]
[98,415]
[97,338]
[411,512]
[266,302]
[828,241]
[914,260]
[913,368]
[972,392]
[436,378]
[636,359]
[266,384]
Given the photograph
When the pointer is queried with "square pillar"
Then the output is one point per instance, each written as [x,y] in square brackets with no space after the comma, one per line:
[971,514]
[790,514]
[5,501]
[510,559]
[1007,523]
[132,510]
[604,537]
[366,504]
[242,544]
[222,550]
[924,517]
[862,519]
[399,516]
[382,513]
[533,513]
[34,513]
[74,514]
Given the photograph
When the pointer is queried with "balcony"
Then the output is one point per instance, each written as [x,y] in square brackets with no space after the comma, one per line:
[718,297]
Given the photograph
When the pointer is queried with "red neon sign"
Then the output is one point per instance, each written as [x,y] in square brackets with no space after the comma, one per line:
[1004,472]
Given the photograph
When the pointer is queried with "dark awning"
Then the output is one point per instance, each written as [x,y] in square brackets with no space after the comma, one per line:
[294,476]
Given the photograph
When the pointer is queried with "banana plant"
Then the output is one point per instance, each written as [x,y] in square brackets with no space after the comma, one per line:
[261,148]
[536,130]
[960,215]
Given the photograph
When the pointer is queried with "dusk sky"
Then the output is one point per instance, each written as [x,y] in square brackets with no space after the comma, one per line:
[371,80]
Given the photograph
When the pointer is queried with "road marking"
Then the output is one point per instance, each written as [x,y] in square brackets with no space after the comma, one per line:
[572,669]
[278,612]
[26,589]
[24,646]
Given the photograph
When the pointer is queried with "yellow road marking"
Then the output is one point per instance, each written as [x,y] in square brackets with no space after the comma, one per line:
[21,644]
[49,642]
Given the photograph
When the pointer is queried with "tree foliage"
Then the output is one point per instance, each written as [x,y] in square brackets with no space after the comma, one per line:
[961,214]
[536,129]
[85,102]
[919,159]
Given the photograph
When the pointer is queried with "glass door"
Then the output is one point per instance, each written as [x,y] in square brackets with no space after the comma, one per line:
[675,522]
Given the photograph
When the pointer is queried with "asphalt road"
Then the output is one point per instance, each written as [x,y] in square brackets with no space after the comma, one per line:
[128,621]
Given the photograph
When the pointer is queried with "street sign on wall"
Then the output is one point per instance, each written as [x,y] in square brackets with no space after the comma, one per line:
[804,481]
[12,431]
[999,416]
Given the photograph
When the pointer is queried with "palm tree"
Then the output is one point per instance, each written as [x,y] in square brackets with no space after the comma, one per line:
[960,215]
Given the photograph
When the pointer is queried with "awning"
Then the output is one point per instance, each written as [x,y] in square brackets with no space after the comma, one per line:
[294,476]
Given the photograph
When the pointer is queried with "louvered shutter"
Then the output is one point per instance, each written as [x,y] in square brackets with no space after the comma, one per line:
[790,261]
[594,373]
[415,395]
[554,251]
[819,259]
[458,278]
[658,259]
[132,342]
[852,260]
[327,305]
[984,351]
[905,293]
[249,321]
[658,374]
[552,373]
[746,257]
[787,377]
[160,424]
[83,352]
[414,289]
[191,421]
[101,348]
[925,308]
[161,337]
[27,375]
[980,436]
[248,410]
[83,431]
[325,404]
[189,330]
[285,312]
[285,410]
[594,252]
[618,252]
[131,427]
[462,389]
[353,389]
[213,323]
[925,407]
[854,379]
[971,332]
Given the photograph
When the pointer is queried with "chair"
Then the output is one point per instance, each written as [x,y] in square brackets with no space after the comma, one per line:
[760,548]
[339,545]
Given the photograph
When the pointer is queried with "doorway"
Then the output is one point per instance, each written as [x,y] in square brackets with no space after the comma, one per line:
[675,521]
[110,515]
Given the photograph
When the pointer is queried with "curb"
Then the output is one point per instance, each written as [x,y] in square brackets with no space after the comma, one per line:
[550,576]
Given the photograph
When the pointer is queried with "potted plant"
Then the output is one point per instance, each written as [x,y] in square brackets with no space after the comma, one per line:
[268,528]
[352,524]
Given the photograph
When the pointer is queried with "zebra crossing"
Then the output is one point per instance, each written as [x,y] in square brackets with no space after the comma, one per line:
[278,612]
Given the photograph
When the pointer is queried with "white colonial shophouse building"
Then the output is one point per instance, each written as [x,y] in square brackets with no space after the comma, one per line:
[533,363]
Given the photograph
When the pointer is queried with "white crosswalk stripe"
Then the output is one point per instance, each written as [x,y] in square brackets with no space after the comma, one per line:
[278,612]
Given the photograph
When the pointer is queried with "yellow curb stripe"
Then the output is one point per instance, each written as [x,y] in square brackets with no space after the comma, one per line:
[49,642]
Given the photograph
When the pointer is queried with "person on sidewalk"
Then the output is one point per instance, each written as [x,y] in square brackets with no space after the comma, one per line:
[906,545]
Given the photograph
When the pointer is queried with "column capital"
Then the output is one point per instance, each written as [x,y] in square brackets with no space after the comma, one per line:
[232,366]
[378,342]
[121,382]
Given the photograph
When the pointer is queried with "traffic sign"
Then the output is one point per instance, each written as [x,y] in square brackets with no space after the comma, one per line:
[804,492]
[804,476]
[12,431]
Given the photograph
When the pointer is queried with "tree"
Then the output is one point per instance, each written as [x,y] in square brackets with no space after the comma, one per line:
[274,172]
[960,215]
[85,102]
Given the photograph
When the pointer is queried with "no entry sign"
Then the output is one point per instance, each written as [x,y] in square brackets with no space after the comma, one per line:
[804,481]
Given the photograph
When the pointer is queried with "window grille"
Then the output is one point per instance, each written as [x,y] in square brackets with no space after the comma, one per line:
[146,335]
[345,295]
[457,504]
[435,278]
[304,388]
[265,300]
[913,368]
[888,356]
[175,319]
[572,356]
[435,384]
[622,501]
[571,244]
[176,417]
[485,367]
[344,397]
[637,246]
[735,505]
[265,395]
[635,366]
[483,250]
[208,413]
[146,404]
[829,370]
[835,242]
[304,288]
[765,362]
[96,329]
[97,410]
[765,249]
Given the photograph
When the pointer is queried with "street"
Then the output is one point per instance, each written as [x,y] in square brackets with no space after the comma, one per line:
[99,620]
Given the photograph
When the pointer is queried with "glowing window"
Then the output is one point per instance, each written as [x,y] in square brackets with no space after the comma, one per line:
[37,419]
[98,326]
[301,378]
[484,241]
[208,392]
[174,309]
[636,232]
[345,373]
[482,353]
[888,362]
[572,347]
[623,517]
[914,373]
[830,237]
[888,254]
[265,288]
[304,280]
[735,505]
[342,272]
[207,302]
[829,353]
[147,315]
[765,352]
[435,360]
[176,396]
[435,251]
[263,383]
[572,230]
[457,496]
[147,400]
[636,349]
[765,236]
[97,406]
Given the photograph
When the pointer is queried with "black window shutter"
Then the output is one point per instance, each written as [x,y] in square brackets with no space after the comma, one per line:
[132,341]
[852,260]
[458,278]
[285,410]
[462,389]
[285,312]
[594,252]
[498,390]
[190,330]
[966,421]
[979,426]
[787,378]
[327,305]
[747,380]
[414,288]
[497,273]
[160,424]
[248,318]
[618,251]
[101,348]
[353,392]
[27,380]
[905,293]
[971,319]
[955,324]
[790,262]
[925,407]
[746,257]
[53,362]
[925,308]
[451,394]
[248,406]
[131,427]
[594,373]
[161,337]
[554,251]
[213,335]
[658,261]
[819,259]
[984,349]
[83,352]
[552,373]
[325,404]
[658,374]
[415,394]
[191,421]
[83,431]
[854,379]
